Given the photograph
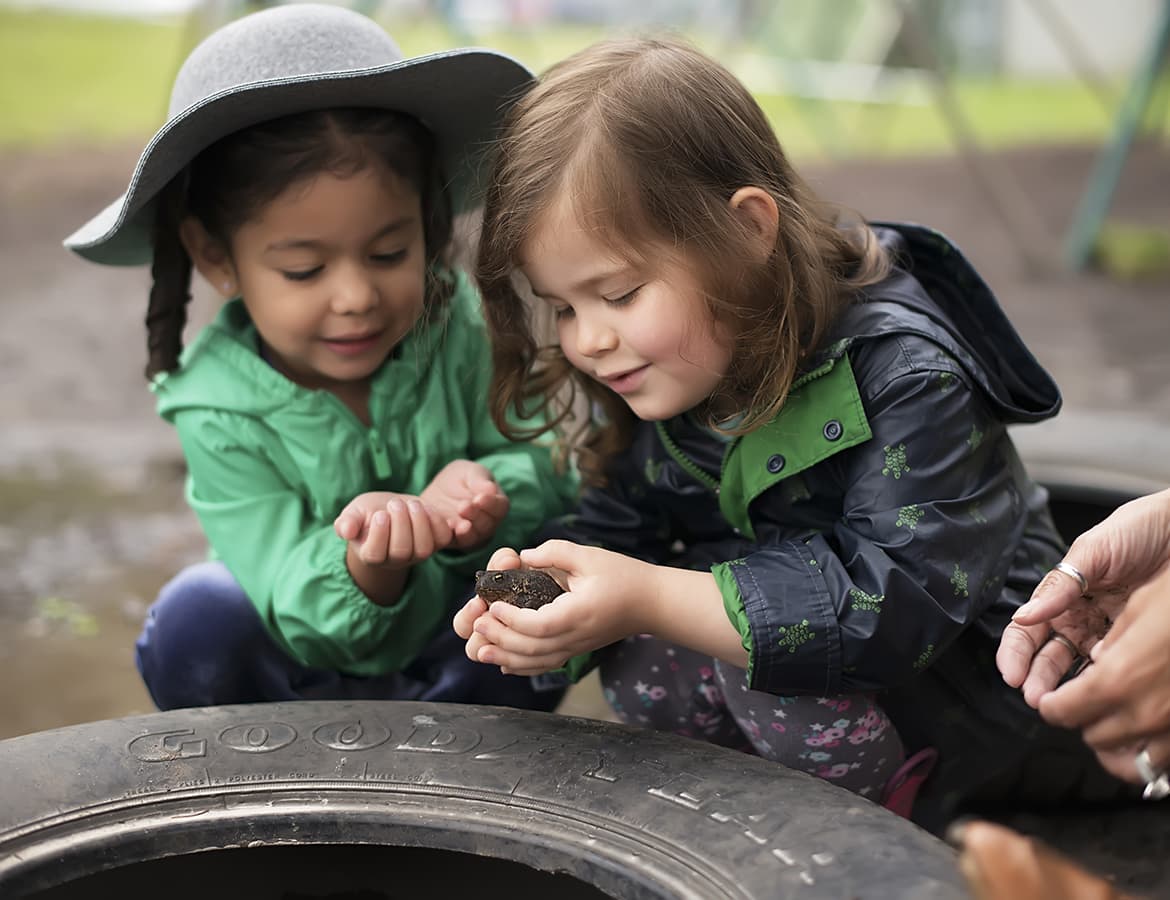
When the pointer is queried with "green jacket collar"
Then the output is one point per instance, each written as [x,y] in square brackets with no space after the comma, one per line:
[822,416]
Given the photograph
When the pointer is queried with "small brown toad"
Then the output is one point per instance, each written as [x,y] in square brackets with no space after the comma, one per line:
[526,588]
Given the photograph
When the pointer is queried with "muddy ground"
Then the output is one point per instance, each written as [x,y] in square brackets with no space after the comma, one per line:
[91,514]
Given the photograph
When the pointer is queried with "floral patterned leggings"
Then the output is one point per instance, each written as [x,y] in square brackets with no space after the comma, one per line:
[847,740]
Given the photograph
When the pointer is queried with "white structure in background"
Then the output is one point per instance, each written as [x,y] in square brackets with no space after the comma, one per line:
[1010,37]
[1113,34]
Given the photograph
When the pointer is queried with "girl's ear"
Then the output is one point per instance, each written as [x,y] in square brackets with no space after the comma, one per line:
[209,257]
[757,209]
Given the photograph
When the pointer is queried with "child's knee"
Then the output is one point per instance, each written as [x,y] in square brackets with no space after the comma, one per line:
[202,602]
[847,740]
[668,688]
[201,621]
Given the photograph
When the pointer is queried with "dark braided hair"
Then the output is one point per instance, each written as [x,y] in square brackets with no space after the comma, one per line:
[166,313]
[230,182]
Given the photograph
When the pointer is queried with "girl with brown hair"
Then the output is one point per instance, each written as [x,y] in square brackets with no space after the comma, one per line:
[805,525]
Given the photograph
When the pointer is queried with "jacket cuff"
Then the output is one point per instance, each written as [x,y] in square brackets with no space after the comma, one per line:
[574,669]
[795,645]
[733,606]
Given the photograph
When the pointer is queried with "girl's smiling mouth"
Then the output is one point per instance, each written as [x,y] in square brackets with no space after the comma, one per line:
[624,382]
[355,344]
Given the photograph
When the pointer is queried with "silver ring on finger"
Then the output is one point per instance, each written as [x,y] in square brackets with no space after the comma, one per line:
[1067,568]
[1157,781]
[1056,637]
[1079,660]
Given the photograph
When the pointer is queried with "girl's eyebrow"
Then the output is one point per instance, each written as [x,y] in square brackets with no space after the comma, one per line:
[311,244]
[584,284]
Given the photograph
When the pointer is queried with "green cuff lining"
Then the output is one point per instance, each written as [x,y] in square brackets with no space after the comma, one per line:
[733,606]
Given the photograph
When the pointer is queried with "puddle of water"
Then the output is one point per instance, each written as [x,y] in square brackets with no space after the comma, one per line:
[55,676]
[83,559]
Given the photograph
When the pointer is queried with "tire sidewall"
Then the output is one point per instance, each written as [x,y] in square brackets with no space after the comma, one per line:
[635,813]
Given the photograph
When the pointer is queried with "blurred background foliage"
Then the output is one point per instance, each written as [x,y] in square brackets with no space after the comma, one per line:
[76,76]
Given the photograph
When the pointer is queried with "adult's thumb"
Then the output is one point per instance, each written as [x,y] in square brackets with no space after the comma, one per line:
[1057,591]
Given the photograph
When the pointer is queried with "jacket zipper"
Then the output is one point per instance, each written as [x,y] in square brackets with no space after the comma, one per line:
[699,474]
[378,452]
[683,460]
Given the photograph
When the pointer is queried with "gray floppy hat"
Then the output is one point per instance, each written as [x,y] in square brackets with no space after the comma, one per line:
[297,58]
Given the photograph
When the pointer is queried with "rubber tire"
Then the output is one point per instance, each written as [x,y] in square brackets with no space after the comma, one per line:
[605,808]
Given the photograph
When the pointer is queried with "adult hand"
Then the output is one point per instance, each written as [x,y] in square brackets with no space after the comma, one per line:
[1122,701]
[1115,557]
[467,495]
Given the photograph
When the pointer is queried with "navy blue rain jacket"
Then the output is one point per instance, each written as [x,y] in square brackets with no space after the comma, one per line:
[878,534]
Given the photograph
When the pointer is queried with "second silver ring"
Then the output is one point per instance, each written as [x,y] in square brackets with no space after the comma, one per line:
[1067,642]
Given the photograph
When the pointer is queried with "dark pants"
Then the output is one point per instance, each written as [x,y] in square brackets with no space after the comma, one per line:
[203,644]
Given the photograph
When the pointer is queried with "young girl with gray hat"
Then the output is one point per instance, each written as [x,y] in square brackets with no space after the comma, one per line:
[333,416]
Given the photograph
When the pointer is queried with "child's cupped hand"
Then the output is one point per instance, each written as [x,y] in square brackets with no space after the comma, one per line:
[392,530]
[601,606]
[466,494]
[465,619]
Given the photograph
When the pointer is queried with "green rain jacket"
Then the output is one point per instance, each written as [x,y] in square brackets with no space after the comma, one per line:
[271,464]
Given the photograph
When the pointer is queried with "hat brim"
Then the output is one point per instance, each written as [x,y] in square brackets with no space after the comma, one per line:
[460,95]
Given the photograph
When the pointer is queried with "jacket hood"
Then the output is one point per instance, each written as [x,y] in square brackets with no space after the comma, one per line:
[934,292]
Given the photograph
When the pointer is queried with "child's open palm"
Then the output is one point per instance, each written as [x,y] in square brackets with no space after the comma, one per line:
[466,494]
[390,530]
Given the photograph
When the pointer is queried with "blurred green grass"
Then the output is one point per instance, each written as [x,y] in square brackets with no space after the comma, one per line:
[71,77]
[67,77]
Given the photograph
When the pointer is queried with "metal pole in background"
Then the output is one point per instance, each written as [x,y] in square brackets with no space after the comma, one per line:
[1094,205]
[1037,245]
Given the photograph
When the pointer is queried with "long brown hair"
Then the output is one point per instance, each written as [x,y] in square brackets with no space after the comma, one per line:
[231,181]
[651,138]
